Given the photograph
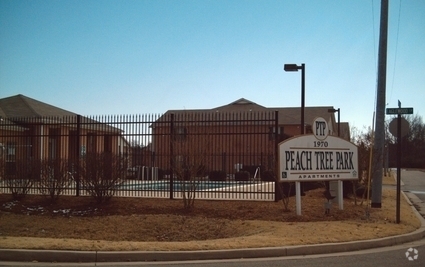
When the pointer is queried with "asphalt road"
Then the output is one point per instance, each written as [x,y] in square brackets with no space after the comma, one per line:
[414,182]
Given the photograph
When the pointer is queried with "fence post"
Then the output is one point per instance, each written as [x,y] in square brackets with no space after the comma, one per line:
[223,161]
[171,156]
[277,188]
[77,171]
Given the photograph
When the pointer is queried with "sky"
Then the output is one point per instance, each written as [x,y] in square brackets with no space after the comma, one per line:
[101,57]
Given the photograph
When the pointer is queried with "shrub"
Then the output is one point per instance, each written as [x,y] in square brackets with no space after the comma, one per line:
[361,191]
[288,189]
[19,187]
[284,192]
[242,176]
[101,175]
[54,178]
[20,177]
[217,176]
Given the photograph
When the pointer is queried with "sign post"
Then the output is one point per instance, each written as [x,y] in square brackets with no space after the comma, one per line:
[317,157]
[398,111]
[298,197]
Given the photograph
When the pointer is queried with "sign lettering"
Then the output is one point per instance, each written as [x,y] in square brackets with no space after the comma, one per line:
[344,160]
[296,160]
[396,111]
[320,128]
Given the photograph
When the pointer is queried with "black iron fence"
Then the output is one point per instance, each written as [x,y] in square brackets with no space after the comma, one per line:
[217,155]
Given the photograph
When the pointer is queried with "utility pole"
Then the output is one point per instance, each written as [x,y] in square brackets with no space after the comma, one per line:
[378,147]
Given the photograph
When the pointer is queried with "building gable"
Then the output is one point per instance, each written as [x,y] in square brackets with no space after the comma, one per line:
[239,105]
[23,106]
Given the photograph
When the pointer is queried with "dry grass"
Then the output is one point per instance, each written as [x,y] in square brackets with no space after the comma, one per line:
[77,223]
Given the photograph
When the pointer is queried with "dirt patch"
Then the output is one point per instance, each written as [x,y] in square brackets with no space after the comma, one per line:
[78,223]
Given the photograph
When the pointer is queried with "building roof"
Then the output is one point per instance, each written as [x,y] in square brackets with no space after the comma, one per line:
[20,109]
[345,131]
[241,104]
[8,125]
[287,116]
[23,106]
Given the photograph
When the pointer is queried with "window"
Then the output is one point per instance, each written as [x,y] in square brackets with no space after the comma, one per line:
[107,143]
[11,152]
[91,143]
[10,167]
[54,135]
[180,133]
[272,132]
[2,150]
[308,129]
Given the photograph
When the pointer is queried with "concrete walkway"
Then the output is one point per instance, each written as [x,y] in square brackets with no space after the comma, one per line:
[134,256]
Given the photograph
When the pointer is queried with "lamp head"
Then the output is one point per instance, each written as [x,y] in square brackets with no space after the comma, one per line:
[291,67]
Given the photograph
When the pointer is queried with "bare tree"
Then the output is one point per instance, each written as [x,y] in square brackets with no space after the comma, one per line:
[284,188]
[364,142]
[285,194]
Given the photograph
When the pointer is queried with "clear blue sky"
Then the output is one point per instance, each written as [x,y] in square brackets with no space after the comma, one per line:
[137,57]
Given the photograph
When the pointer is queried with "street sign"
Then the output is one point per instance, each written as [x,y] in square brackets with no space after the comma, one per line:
[396,111]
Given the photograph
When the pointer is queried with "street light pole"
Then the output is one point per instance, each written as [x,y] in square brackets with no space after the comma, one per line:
[302,97]
[332,110]
[295,67]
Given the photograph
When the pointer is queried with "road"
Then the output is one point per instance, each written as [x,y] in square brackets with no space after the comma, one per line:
[414,183]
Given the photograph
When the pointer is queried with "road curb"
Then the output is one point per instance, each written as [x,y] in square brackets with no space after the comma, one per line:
[134,256]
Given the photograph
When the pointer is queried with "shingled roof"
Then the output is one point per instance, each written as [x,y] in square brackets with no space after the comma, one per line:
[19,109]
[23,106]
[287,116]
[6,124]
